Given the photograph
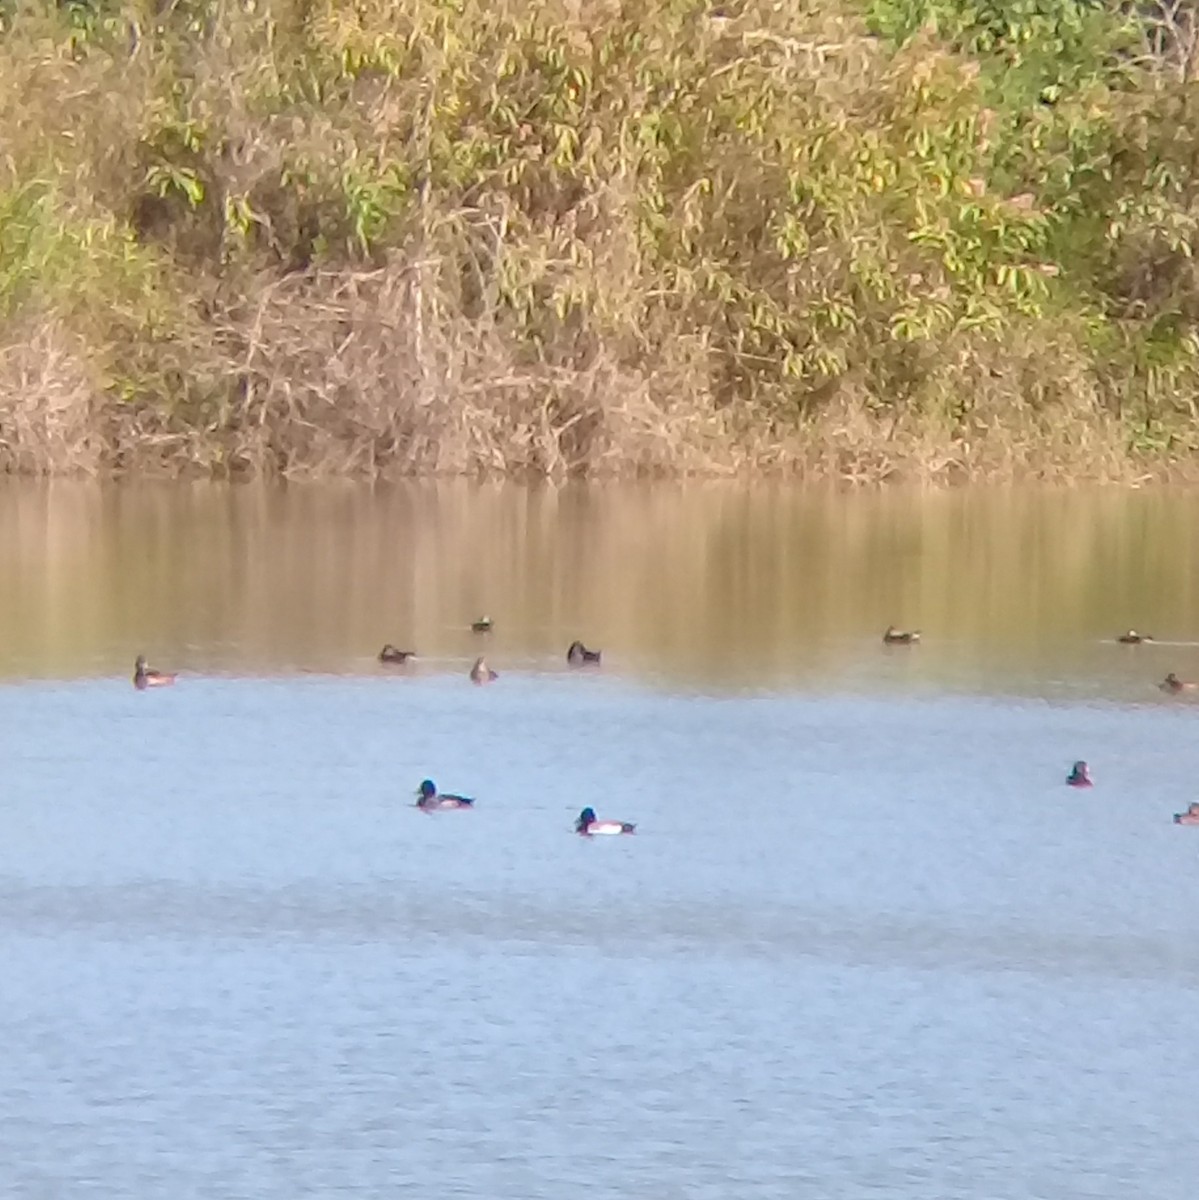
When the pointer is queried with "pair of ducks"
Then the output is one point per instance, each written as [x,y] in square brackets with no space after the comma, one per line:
[905,637]
[1171,683]
[392,654]
[1080,776]
[577,656]
[429,799]
[480,672]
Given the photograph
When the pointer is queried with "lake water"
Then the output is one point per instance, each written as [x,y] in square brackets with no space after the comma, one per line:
[865,943]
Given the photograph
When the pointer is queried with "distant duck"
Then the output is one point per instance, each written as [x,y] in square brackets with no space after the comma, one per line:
[1172,683]
[429,799]
[901,637]
[481,672]
[589,825]
[1190,817]
[579,656]
[144,677]
[389,654]
[1132,638]
[1080,775]
[482,625]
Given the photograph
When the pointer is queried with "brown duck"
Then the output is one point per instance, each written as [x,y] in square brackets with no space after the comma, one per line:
[1172,683]
[579,656]
[481,672]
[389,654]
[144,677]
[1132,638]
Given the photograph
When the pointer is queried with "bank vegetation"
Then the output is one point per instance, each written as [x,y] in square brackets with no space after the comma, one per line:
[861,239]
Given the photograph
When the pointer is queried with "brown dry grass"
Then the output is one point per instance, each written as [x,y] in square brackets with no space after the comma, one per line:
[49,405]
[307,240]
[332,381]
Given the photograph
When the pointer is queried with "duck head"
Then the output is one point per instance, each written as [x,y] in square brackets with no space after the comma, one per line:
[427,791]
[586,818]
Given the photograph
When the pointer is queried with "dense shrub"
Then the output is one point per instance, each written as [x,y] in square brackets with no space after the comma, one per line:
[896,238]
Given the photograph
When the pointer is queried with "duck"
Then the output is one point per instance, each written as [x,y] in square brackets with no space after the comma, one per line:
[1190,817]
[481,625]
[900,637]
[429,799]
[481,672]
[1080,775]
[589,825]
[144,677]
[579,656]
[389,654]
[1172,683]
[1132,638]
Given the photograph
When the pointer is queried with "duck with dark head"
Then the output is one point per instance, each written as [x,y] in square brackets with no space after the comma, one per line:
[429,799]
[1080,775]
[589,825]
[145,677]
[579,656]
[389,654]
[1173,684]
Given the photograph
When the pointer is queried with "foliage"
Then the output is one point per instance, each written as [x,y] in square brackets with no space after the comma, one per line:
[446,234]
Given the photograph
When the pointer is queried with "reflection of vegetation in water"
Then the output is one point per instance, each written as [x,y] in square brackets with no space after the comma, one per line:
[900,237]
[714,582]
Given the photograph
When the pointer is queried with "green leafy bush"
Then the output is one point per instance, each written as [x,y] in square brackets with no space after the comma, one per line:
[894,238]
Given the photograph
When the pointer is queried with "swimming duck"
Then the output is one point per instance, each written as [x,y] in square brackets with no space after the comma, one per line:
[1172,683]
[589,825]
[481,672]
[579,656]
[1132,638]
[389,654]
[1190,817]
[144,677]
[1080,775]
[429,799]
[482,625]
[900,637]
